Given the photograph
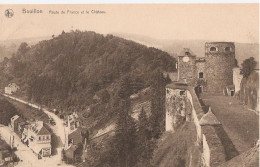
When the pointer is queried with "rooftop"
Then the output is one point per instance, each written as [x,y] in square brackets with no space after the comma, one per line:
[15,117]
[186,52]
[73,116]
[209,119]
[38,128]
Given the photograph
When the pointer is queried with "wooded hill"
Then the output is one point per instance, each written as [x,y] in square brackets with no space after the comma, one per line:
[67,71]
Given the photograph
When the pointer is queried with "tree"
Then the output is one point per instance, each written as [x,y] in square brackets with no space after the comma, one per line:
[125,137]
[248,66]
[24,47]
[158,100]
[103,95]
[125,89]
[145,144]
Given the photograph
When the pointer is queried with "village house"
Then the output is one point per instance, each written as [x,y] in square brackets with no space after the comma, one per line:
[38,138]
[73,137]
[15,120]
[5,153]
[11,88]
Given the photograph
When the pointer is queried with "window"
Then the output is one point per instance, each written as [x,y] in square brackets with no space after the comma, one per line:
[70,141]
[201,75]
[182,92]
[213,49]
[39,137]
[187,53]
[227,49]
[47,137]
[232,93]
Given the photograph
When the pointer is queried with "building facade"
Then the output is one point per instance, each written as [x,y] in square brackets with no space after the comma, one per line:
[15,120]
[11,88]
[72,131]
[38,138]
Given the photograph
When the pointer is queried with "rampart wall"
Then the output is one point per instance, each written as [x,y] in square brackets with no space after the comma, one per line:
[212,154]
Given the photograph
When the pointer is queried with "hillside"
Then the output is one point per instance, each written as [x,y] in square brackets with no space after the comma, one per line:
[68,71]
[174,47]
[177,149]
[7,111]
[249,158]
[9,47]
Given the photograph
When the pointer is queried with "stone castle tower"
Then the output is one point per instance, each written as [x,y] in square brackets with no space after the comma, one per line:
[220,61]
[187,66]
[210,73]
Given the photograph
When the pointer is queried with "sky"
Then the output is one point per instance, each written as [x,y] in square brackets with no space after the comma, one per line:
[214,22]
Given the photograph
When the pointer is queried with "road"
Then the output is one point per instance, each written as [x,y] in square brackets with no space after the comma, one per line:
[58,129]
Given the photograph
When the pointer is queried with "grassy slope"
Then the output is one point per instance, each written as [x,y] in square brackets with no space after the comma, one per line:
[177,149]
[249,158]
[240,124]
[28,112]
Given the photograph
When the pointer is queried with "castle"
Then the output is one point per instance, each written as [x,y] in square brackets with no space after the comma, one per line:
[211,73]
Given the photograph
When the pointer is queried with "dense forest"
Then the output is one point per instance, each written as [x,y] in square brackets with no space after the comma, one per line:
[95,75]
[69,69]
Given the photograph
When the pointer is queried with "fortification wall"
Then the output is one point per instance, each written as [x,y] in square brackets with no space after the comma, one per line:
[196,115]
[175,108]
[200,67]
[213,152]
[206,152]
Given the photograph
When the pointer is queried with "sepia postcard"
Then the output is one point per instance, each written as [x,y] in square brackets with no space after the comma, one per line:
[129,85]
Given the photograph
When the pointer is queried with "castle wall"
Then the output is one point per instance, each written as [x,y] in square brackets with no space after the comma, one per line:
[187,70]
[213,150]
[175,107]
[213,153]
[206,152]
[219,65]
[182,107]
[200,67]
[195,118]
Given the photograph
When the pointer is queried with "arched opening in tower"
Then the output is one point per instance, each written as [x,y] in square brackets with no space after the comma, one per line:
[201,75]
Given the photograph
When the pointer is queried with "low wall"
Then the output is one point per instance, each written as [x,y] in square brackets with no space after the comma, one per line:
[197,112]
[206,152]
